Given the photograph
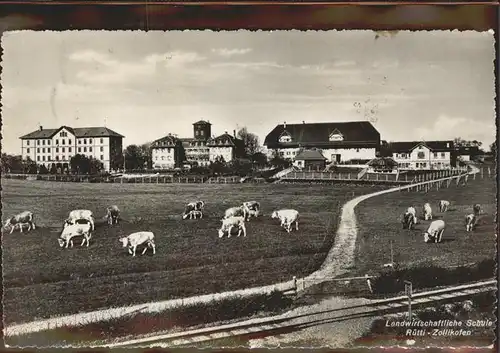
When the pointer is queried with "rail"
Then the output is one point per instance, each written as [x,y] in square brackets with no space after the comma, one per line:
[282,323]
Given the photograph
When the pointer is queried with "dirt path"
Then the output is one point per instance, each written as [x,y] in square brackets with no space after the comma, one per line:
[337,262]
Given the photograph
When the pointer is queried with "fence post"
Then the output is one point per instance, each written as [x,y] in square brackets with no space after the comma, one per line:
[369,283]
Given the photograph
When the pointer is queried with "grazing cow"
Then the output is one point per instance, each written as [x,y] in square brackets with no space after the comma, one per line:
[252,208]
[194,206]
[232,222]
[112,214]
[75,230]
[193,214]
[434,233]
[443,205]
[76,215]
[21,218]
[408,220]
[139,238]
[477,209]
[412,211]
[427,211]
[239,211]
[287,218]
[470,222]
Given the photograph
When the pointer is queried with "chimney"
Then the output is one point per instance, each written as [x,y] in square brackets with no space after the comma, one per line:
[284,125]
[41,127]
[303,122]
[234,133]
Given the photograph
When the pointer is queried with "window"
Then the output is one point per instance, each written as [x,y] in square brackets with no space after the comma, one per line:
[420,147]
[201,133]
[27,150]
[38,150]
[43,150]
[43,158]
[69,149]
[84,149]
[84,141]
[90,140]
[57,149]
[90,149]
[27,142]
[69,142]
[442,155]
[102,149]
[38,158]
[102,141]
[63,142]
[435,155]
[57,142]
[38,142]
[48,142]
[43,142]
[357,149]
[79,142]
[63,150]
[421,155]
[57,158]
[102,157]
[79,149]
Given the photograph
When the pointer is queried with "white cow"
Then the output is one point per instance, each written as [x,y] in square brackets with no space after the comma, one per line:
[239,211]
[470,222]
[112,214]
[443,205]
[75,230]
[434,233]
[411,210]
[252,208]
[25,217]
[287,218]
[136,239]
[76,215]
[232,222]
[193,214]
[427,211]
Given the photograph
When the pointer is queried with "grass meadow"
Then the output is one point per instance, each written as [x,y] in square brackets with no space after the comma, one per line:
[42,280]
[379,221]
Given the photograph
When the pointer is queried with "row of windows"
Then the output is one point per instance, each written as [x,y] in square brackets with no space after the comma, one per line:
[420,155]
[63,142]
[63,149]
[57,158]
[169,158]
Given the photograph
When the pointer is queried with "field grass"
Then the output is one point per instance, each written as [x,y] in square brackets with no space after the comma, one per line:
[379,225]
[42,280]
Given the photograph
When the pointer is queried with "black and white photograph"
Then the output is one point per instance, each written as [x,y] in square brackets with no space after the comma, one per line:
[248,189]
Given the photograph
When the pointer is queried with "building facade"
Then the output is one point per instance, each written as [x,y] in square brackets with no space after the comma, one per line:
[225,146]
[165,152]
[196,149]
[424,154]
[337,142]
[310,159]
[57,146]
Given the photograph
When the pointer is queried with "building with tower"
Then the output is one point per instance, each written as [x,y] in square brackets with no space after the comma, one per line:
[195,148]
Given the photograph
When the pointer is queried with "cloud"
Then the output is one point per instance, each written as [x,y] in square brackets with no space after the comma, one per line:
[231,52]
[111,70]
[447,127]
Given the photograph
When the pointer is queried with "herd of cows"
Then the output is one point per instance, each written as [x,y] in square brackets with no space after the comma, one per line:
[81,223]
[434,232]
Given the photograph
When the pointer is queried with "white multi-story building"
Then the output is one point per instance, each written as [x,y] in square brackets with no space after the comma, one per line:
[164,152]
[338,142]
[226,146]
[57,146]
[424,154]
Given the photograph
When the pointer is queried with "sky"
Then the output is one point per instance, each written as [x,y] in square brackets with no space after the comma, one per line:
[410,85]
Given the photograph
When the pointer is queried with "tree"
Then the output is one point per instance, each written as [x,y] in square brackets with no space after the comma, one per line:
[250,140]
[11,164]
[259,159]
[29,166]
[43,169]
[134,158]
[493,148]
[278,161]
[147,155]
[81,164]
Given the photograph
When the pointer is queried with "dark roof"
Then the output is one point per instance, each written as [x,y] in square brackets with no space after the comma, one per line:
[355,134]
[202,122]
[310,155]
[467,150]
[166,141]
[78,132]
[225,140]
[408,146]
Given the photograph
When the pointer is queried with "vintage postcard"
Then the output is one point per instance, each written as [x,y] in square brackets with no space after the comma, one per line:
[248,189]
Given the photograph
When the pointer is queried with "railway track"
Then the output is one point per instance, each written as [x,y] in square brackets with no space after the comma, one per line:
[281,324]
